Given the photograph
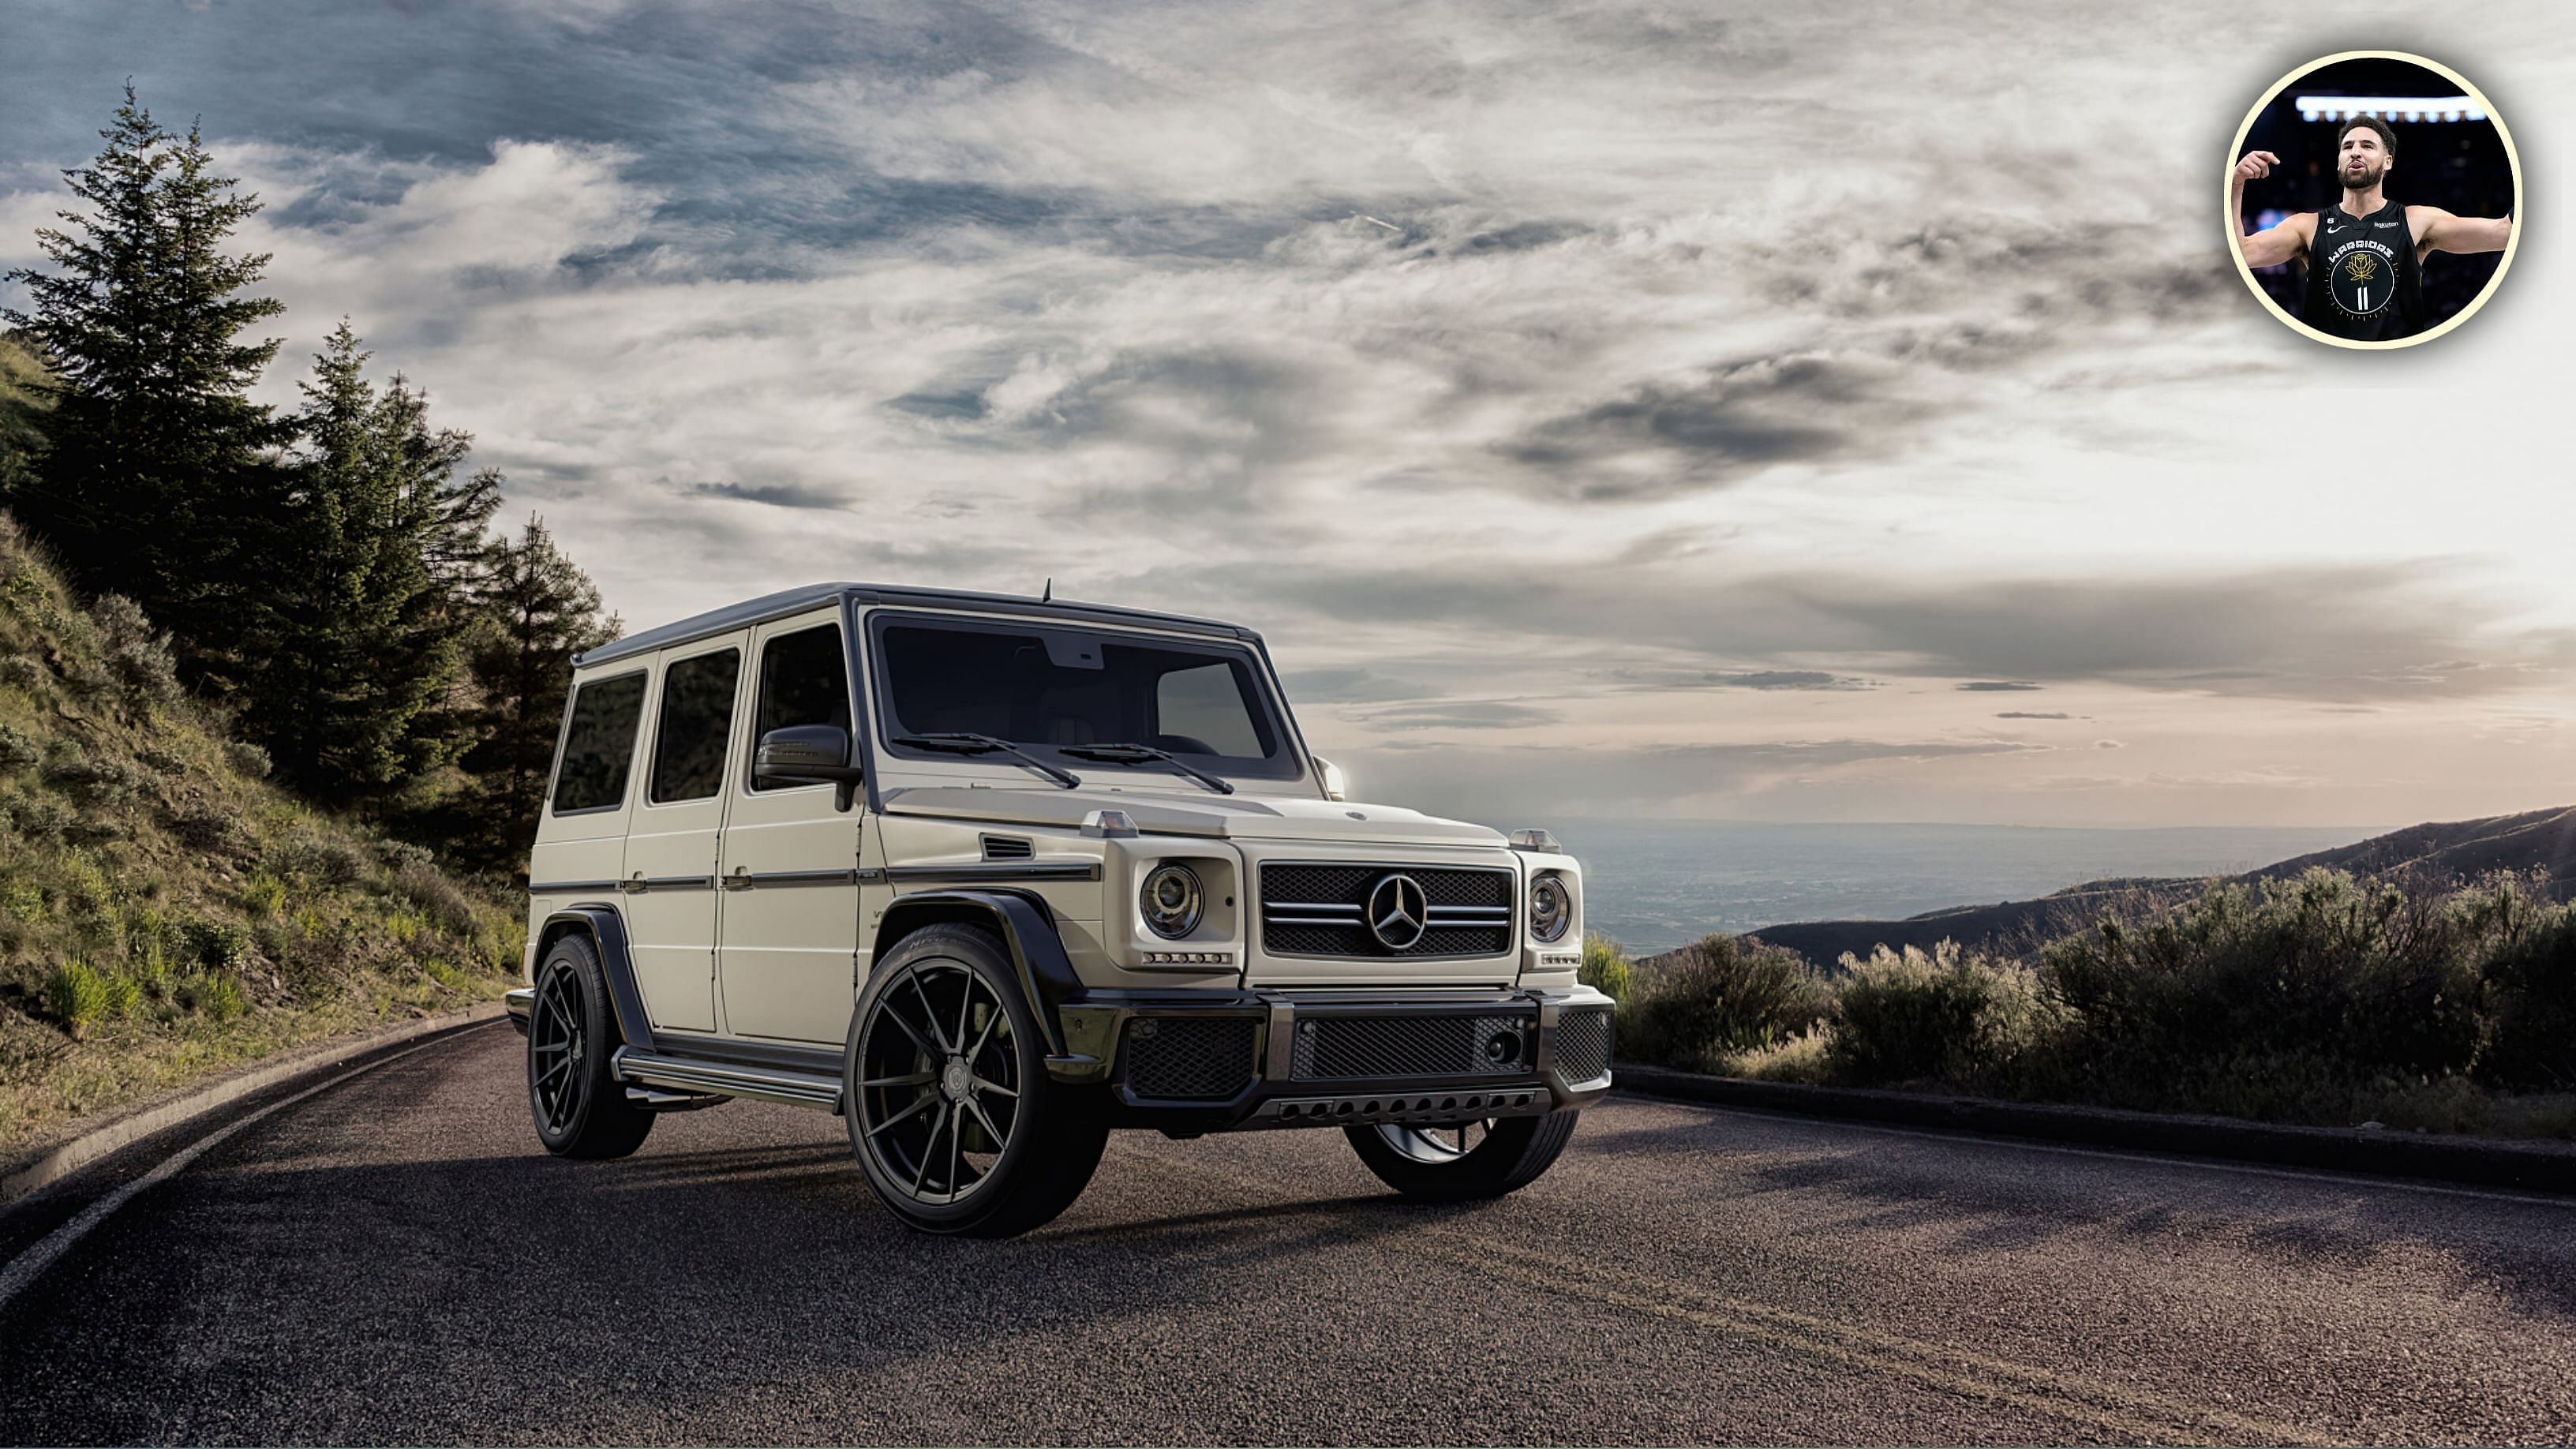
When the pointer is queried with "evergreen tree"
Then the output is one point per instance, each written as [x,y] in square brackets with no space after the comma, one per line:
[157,480]
[539,610]
[359,634]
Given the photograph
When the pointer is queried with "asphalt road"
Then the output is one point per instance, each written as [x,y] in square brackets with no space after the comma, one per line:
[395,1260]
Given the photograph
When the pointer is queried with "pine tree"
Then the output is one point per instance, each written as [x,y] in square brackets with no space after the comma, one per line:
[539,610]
[156,481]
[359,632]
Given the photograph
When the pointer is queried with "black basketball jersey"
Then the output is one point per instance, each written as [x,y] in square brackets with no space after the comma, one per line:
[2363,279]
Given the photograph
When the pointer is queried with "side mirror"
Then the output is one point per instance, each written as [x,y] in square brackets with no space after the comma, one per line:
[1335,787]
[807,755]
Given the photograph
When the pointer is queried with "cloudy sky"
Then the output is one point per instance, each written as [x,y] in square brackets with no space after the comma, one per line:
[1789,413]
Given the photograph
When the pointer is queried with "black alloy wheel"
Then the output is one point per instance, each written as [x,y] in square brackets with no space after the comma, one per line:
[1464,1161]
[945,1091]
[579,1106]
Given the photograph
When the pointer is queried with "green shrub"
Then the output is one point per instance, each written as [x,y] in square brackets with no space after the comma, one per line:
[76,993]
[1726,994]
[124,993]
[1605,967]
[21,673]
[436,894]
[318,855]
[1948,1017]
[247,758]
[103,782]
[2323,983]
[216,945]
[212,826]
[220,997]
[17,751]
[26,901]
[2531,986]
[264,894]
[137,657]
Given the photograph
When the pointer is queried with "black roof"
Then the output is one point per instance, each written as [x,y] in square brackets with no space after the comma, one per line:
[796,601]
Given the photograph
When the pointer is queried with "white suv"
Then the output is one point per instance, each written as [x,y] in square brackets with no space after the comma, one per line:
[990,876]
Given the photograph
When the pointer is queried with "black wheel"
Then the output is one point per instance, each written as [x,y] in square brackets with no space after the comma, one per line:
[580,1109]
[1466,1162]
[944,1086]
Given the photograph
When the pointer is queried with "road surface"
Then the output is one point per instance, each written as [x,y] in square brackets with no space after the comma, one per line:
[393,1259]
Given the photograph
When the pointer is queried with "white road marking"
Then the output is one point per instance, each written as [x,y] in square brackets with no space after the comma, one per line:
[2323,1176]
[24,1269]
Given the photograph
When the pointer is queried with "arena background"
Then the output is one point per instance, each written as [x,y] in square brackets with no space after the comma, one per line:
[2459,166]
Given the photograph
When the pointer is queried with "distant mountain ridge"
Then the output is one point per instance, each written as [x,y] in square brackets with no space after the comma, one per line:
[2541,842]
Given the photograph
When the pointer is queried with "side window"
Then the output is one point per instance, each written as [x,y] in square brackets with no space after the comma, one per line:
[599,745]
[697,715]
[1202,708]
[804,680]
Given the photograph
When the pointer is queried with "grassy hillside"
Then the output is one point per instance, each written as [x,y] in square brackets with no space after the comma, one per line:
[163,910]
[2539,845]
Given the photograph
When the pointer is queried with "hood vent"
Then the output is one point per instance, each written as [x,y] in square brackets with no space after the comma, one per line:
[1007,847]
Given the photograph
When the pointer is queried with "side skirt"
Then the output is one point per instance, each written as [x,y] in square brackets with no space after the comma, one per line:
[793,1087]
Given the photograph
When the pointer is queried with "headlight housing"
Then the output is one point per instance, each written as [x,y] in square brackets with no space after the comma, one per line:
[1172,900]
[1551,908]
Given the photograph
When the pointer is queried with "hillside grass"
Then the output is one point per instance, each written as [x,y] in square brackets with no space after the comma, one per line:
[164,911]
[2324,999]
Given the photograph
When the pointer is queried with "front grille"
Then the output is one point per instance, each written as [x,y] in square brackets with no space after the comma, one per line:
[1329,1048]
[1322,910]
[1189,1058]
[1582,1045]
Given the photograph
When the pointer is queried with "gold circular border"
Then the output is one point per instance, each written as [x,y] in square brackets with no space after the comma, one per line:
[2235,239]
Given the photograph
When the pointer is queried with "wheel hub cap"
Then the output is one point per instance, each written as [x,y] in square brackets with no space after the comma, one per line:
[953,1082]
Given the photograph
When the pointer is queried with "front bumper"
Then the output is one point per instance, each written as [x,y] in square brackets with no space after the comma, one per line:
[1315,1058]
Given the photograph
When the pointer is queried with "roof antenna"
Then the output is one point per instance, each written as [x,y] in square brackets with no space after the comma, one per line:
[1049,596]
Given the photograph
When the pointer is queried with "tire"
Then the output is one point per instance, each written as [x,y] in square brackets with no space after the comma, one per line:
[579,1107]
[945,1091]
[1426,1166]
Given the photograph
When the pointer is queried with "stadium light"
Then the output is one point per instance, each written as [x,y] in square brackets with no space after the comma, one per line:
[2389,108]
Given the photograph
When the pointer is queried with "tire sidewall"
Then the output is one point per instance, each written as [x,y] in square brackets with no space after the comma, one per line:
[982,954]
[600,1040]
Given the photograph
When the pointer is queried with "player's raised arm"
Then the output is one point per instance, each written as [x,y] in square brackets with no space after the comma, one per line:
[2272,245]
[2444,232]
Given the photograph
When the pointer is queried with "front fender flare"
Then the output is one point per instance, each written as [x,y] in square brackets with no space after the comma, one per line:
[1027,930]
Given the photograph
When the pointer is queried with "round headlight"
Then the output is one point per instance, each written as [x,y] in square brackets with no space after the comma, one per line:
[1551,908]
[1171,900]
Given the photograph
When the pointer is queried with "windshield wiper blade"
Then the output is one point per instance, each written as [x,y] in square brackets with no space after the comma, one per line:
[1132,754]
[959,742]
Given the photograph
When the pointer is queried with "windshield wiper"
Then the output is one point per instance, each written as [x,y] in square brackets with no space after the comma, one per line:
[959,742]
[1132,754]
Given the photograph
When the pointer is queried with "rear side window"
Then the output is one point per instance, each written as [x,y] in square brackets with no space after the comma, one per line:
[599,744]
[697,716]
[804,680]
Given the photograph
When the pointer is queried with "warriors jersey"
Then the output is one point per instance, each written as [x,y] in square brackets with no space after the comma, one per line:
[2363,279]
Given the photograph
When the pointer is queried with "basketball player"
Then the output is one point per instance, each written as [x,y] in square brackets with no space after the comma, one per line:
[2365,256]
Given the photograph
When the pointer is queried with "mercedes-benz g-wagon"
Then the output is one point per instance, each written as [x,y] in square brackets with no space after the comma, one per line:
[990,876]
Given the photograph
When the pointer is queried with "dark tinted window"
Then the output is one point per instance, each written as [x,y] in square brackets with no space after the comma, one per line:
[1072,687]
[599,746]
[804,680]
[697,714]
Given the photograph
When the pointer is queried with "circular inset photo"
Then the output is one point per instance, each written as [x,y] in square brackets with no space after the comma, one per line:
[2371,199]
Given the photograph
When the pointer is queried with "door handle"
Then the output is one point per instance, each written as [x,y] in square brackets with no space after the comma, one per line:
[632,884]
[740,880]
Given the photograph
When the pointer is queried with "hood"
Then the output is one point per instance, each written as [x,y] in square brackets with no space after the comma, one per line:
[1225,817]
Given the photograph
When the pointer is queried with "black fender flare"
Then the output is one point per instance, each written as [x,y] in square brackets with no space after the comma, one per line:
[607,932]
[1027,929]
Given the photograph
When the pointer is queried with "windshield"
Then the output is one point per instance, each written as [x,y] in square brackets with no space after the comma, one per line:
[1053,691]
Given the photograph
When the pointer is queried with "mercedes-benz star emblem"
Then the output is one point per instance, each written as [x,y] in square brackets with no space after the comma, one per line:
[1398,912]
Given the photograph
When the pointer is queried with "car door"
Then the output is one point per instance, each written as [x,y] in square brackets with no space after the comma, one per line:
[787,931]
[670,875]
